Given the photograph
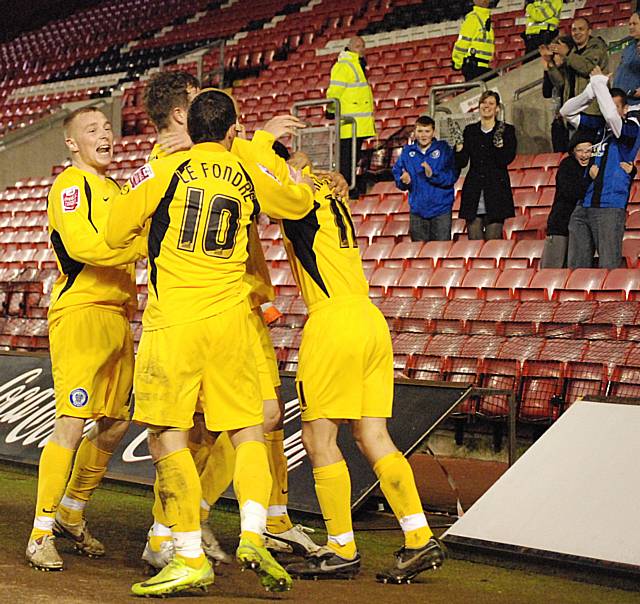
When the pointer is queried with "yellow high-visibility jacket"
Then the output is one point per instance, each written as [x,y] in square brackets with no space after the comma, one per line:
[475,39]
[349,85]
[543,15]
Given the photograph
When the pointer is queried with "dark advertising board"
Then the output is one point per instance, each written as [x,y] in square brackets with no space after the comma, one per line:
[27,414]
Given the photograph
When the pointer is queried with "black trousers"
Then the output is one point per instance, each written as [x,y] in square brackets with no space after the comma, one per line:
[471,70]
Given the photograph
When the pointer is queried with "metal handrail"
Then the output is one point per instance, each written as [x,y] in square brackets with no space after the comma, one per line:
[339,119]
[459,85]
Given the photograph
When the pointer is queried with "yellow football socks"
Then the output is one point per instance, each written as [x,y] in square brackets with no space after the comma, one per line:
[399,487]
[53,473]
[216,470]
[88,470]
[333,489]
[179,491]
[252,484]
[278,519]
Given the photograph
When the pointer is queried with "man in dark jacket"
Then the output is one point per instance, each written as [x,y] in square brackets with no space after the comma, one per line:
[572,181]
[490,145]
[426,168]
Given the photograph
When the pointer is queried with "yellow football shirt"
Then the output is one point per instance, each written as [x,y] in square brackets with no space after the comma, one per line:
[91,273]
[257,276]
[201,203]
[323,250]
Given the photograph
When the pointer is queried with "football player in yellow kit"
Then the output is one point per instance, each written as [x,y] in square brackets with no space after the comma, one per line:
[167,97]
[90,341]
[345,373]
[197,336]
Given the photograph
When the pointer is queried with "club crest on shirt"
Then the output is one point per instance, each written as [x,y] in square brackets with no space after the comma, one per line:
[70,198]
[412,153]
[79,397]
[140,175]
[435,154]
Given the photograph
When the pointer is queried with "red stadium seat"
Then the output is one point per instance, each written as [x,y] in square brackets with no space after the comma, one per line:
[621,284]
[414,280]
[407,250]
[442,280]
[493,317]
[528,316]
[464,250]
[541,387]
[371,228]
[544,283]
[583,380]
[423,312]
[508,282]
[456,314]
[607,319]
[580,283]
[567,319]
[382,279]
[491,254]
[378,251]
[498,374]
[475,282]
[531,250]
[436,250]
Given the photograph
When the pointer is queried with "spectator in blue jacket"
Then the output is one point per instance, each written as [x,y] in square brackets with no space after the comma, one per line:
[597,223]
[628,73]
[426,168]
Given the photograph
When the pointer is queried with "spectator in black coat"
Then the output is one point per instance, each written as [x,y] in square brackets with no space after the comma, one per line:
[490,145]
[572,181]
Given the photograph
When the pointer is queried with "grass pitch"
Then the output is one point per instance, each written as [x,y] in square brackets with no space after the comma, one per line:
[120,516]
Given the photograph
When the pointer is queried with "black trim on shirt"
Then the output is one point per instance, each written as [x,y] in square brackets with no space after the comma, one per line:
[302,234]
[70,267]
[160,225]
[88,195]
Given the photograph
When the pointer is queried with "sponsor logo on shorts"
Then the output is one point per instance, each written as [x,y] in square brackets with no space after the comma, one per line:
[79,397]
[140,175]
[70,198]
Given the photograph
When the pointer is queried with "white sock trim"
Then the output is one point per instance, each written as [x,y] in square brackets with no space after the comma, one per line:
[253,517]
[205,505]
[413,522]
[188,544]
[73,504]
[43,523]
[342,539]
[277,510]
[160,530]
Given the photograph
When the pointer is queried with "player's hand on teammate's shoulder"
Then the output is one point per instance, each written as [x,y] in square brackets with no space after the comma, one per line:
[283,125]
[337,183]
[172,142]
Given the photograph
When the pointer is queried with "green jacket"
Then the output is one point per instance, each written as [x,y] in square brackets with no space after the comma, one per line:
[573,76]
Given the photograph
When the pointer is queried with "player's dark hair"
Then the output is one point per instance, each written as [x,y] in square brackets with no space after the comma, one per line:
[281,150]
[74,114]
[425,120]
[210,116]
[618,92]
[166,91]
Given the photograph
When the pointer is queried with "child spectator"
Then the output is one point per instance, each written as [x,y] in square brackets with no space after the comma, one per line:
[426,168]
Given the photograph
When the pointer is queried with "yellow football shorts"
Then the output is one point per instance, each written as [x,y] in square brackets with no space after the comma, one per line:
[265,356]
[345,367]
[92,363]
[212,355]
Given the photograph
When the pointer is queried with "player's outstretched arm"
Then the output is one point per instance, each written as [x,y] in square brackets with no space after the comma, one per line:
[130,210]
